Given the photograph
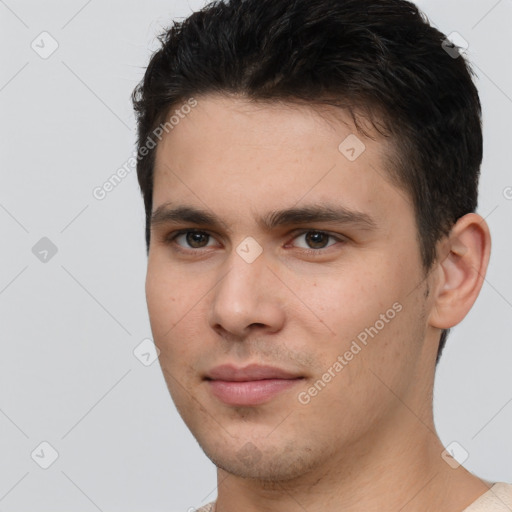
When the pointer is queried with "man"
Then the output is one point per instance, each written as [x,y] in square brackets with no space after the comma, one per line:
[309,170]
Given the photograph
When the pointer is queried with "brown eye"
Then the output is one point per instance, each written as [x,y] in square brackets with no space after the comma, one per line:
[190,239]
[197,239]
[317,239]
[315,242]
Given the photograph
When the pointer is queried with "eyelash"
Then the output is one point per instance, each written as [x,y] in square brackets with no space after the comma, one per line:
[171,239]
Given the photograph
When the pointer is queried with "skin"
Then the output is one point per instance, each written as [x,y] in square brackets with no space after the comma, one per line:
[367,440]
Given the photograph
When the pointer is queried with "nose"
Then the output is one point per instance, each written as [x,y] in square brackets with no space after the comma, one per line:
[248,297]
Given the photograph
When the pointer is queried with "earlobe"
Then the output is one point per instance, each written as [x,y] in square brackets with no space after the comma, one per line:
[462,270]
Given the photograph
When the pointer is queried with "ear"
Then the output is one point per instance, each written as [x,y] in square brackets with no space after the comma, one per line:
[461,272]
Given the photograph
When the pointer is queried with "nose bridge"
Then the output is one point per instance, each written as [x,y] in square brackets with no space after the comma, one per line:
[245,295]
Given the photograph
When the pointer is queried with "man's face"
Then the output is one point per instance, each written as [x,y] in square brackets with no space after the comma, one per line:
[337,306]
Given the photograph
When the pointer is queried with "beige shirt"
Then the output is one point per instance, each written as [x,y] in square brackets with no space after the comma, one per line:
[497,499]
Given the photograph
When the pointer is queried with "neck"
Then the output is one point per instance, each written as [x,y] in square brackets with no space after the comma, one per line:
[399,469]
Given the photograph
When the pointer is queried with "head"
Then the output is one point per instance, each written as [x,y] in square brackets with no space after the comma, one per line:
[353,113]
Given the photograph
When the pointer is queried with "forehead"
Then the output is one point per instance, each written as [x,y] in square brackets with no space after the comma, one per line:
[232,155]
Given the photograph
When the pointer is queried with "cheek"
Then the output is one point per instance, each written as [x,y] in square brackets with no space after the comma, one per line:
[167,301]
[161,301]
[340,303]
[366,313]
[176,306]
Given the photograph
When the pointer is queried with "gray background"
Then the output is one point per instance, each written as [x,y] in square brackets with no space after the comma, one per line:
[70,324]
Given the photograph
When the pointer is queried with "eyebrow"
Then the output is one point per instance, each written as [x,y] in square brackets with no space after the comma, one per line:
[168,214]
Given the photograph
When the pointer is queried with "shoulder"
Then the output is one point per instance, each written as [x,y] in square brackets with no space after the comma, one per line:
[207,508]
[497,499]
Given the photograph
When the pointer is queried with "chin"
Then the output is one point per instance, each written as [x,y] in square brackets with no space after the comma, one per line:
[269,464]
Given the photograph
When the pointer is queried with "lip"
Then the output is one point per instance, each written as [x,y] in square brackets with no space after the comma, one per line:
[231,373]
[251,385]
